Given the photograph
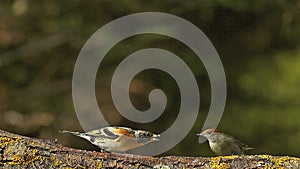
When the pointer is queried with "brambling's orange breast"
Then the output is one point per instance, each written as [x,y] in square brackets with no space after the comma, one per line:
[123,132]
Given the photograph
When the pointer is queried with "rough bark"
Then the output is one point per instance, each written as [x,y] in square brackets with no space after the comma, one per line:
[23,152]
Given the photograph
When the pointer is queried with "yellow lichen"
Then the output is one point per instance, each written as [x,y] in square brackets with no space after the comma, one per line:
[91,160]
[137,164]
[261,163]
[57,163]
[76,167]
[100,165]
[25,159]
[223,166]
[283,162]
[263,156]
[230,157]
[16,159]
[216,163]
[4,141]
[278,162]
[79,166]
[160,166]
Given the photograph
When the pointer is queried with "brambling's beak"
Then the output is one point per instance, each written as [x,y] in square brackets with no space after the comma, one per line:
[156,137]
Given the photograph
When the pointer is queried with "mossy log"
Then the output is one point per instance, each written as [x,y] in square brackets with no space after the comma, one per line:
[24,152]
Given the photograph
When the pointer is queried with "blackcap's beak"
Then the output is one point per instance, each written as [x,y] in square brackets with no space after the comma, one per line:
[202,137]
[200,134]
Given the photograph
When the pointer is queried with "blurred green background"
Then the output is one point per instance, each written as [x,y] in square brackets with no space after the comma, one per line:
[258,43]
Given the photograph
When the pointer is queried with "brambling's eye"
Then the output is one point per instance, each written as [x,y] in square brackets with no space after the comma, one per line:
[149,134]
[145,135]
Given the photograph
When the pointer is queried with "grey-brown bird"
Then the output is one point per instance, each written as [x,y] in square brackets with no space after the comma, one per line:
[222,144]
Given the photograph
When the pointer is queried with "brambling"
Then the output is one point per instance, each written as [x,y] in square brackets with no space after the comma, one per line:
[117,139]
[223,144]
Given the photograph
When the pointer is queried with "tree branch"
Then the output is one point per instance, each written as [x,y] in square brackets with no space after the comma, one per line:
[23,152]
